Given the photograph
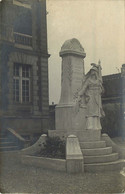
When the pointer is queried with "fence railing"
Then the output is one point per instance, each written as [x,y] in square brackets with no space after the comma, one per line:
[7,34]
[23,39]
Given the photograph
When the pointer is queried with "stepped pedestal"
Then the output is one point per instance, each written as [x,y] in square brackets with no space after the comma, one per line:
[99,157]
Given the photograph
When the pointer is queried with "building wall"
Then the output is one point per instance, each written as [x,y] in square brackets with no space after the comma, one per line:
[28,48]
[113,103]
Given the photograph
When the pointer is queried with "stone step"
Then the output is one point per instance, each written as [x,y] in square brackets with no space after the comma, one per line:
[95,144]
[102,158]
[8,139]
[102,167]
[5,139]
[97,151]
[7,143]
[8,148]
[3,134]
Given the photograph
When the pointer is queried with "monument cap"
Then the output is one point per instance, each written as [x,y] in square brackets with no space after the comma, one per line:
[72,46]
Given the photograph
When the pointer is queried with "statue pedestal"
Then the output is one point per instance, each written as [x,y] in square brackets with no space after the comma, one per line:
[83,135]
[67,119]
[69,122]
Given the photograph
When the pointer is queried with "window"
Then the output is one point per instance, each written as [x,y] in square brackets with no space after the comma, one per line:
[21,83]
[23,21]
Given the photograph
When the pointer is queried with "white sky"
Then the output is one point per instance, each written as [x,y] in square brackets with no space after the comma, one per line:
[99,25]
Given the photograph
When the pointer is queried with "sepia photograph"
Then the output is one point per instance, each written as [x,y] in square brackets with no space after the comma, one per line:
[62,96]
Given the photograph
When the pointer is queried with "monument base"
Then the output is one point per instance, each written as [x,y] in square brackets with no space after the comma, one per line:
[83,136]
[68,119]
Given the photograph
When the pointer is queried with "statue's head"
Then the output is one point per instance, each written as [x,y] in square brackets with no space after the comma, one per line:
[94,68]
[94,72]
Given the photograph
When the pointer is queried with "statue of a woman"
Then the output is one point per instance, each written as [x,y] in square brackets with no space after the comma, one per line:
[91,91]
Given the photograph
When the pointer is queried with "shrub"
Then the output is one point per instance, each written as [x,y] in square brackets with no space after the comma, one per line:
[111,123]
[54,148]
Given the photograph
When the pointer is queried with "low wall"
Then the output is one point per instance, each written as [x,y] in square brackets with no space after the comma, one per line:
[72,164]
[46,163]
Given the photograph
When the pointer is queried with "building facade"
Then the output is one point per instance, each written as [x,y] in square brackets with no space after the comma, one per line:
[24,103]
[114,103]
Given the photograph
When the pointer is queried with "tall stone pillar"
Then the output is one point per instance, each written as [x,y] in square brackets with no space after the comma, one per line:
[72,54]
[70,116]
[67,119]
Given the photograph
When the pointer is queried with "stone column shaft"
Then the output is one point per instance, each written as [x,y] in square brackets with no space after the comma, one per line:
[72,55]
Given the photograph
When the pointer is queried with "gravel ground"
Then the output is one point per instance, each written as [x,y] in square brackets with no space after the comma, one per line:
[18,178]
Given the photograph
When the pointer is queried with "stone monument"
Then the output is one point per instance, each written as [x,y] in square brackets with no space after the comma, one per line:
[78,116]
[71,112]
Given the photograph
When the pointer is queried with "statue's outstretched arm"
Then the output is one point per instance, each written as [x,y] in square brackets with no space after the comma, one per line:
[83,89]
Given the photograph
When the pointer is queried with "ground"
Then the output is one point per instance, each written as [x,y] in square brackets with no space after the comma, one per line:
[120,141]
[18,178]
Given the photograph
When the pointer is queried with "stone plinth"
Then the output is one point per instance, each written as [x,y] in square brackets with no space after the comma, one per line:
[74,157]
[67,119]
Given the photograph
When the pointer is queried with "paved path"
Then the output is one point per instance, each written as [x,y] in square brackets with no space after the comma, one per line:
[18,178]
